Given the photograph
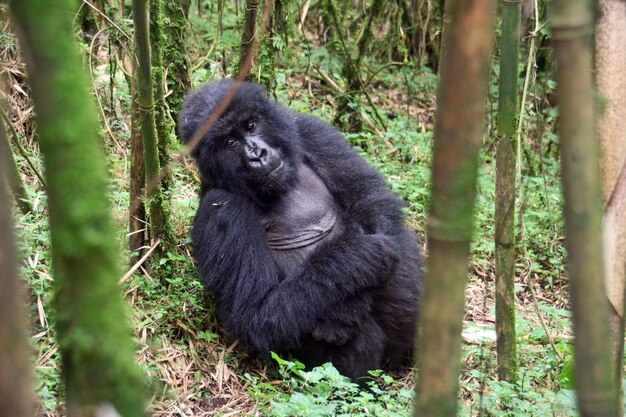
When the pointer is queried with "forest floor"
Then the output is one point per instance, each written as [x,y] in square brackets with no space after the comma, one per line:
[195,369]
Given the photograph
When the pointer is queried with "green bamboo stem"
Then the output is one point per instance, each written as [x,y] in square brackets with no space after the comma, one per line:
[509,67]
[91,324]
[572,23]
[506,346]
[459,126]
[146,120]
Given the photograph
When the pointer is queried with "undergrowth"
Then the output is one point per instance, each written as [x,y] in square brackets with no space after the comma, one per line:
[323,391]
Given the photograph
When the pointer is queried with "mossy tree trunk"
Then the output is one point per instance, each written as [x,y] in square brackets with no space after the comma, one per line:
[91,322]
[459,123]
[16,396]
[278,32]
[146,120]
[572,23]
[253,34]
[175,53]
[164,123]
[506,346]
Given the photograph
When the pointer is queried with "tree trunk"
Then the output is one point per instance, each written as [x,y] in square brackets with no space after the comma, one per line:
[464,72]
[252,36]
[91,324]
[175,53]
[572,29]
[146,121]
[249,41]
[137,209]
[163,121]
[506,346]
[610,54]
[16,396]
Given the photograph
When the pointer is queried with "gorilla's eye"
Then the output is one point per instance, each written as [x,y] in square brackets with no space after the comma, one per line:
[230,142]
[250,125]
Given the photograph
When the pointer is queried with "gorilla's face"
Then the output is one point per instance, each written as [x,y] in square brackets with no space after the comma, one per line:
[252,149]
[240,155]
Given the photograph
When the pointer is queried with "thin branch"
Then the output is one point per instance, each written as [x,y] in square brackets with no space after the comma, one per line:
[140,262]
[95,92]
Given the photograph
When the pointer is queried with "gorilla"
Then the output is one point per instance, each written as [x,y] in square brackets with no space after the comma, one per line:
[298,238]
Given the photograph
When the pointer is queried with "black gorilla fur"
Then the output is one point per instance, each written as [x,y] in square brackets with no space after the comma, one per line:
[299,239]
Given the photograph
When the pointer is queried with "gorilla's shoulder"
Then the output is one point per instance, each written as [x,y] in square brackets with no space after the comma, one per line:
[316,133]
[309,122]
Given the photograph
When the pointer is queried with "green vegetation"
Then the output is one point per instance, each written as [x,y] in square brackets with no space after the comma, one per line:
[192,364]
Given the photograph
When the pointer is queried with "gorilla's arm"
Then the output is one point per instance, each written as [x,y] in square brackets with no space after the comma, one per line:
[360,189]
[343,322]
[264,309]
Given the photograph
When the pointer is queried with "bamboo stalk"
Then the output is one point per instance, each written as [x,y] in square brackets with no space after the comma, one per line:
[572,23]
[146,122]
[459,126]
[506,346]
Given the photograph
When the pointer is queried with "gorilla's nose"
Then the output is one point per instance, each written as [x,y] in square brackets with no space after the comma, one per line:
[257,153]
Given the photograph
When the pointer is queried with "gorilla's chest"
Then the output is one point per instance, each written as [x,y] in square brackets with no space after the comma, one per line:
[304,217]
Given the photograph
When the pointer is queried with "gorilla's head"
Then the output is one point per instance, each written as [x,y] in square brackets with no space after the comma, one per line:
[253,148]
